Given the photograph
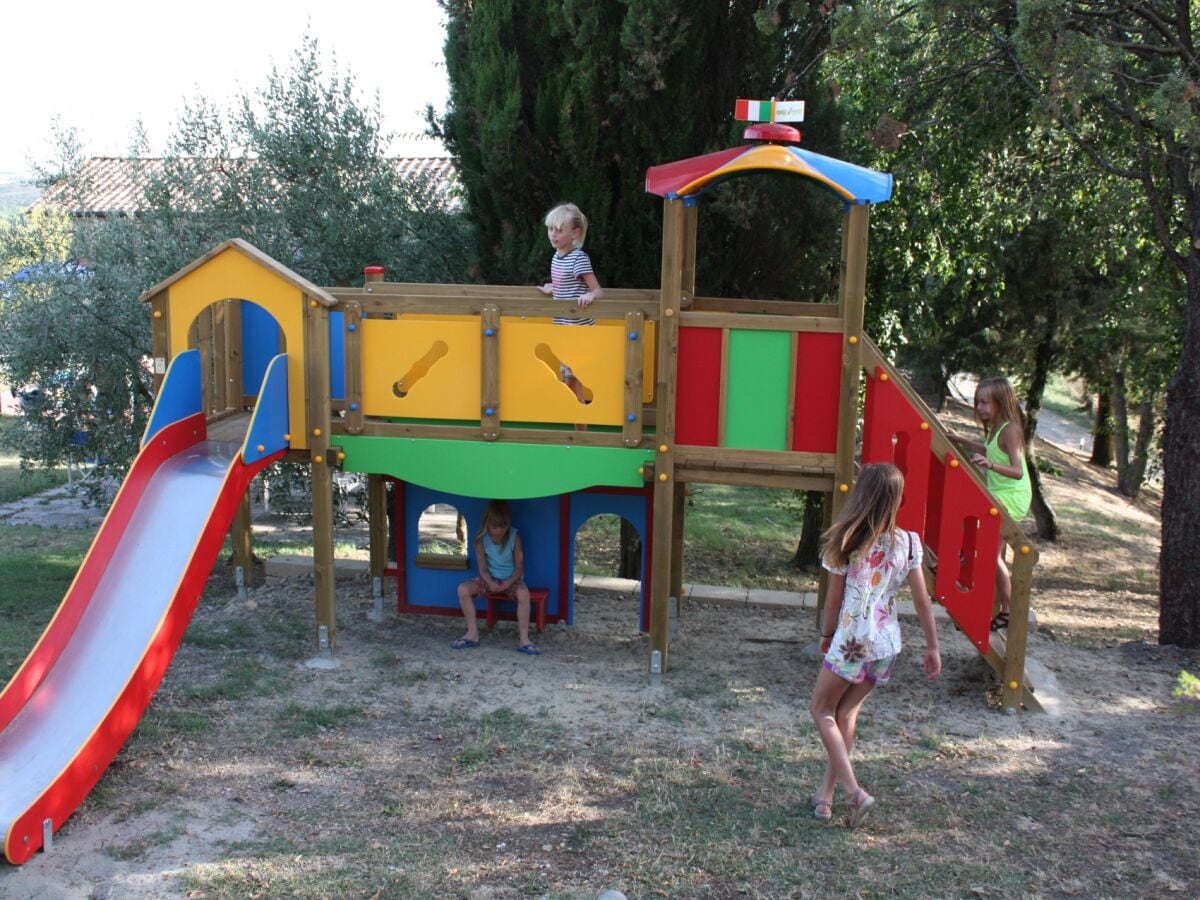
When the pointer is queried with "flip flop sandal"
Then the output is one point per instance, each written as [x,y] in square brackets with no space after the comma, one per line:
[464,644]
[529,650]
[822,809]
[859,810]
[1000,622]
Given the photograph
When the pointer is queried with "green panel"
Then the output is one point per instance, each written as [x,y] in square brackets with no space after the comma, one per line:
[757,391]
[494,468]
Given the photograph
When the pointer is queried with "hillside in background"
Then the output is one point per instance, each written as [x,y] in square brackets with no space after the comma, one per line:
[16,193]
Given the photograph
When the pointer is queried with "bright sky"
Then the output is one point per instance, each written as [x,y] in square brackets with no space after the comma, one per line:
[99,67]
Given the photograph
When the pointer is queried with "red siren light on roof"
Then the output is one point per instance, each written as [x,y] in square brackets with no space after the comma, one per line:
[767,116]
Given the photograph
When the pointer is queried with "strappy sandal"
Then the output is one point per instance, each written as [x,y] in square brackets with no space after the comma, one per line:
[859,810]
[822,809]
[1000,622]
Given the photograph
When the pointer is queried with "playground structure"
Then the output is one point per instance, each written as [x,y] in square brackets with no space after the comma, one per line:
[452,393]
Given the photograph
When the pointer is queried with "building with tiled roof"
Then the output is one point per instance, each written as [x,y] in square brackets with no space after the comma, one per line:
[106,186]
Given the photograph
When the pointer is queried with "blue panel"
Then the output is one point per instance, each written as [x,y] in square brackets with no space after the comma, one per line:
[270,421]
[179,396]
[337,356]
[260,344]
[867,185]
[632,508]
[537,520]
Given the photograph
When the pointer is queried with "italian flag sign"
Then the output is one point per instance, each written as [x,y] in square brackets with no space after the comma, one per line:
[769,111]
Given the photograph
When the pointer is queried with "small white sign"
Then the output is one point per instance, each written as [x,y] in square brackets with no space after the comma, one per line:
[160,366]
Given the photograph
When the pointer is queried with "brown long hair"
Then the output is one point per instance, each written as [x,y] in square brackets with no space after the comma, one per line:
[869,513]
[495,513]
[997,389]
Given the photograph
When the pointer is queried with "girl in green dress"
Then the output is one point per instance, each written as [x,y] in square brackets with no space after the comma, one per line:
[1001,456]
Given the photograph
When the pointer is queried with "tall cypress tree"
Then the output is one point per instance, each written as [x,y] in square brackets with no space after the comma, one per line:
[572,100]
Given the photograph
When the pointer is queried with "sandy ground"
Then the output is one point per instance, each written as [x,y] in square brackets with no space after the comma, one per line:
[183,793]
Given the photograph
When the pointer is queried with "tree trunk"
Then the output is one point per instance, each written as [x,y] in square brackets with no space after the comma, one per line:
[1121,430]
[1102,451]
[630,563]
[1043,512]
[1179,560]
[1141,449]
[808,550]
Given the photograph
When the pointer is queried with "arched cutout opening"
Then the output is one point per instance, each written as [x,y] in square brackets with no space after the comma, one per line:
[965,581]
[443,540]
[598,548]
[237,339]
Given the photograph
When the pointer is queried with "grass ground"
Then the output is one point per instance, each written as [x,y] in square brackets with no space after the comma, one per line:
[416,771]
[17,482]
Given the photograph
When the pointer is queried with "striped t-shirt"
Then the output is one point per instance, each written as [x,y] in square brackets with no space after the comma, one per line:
[566,274]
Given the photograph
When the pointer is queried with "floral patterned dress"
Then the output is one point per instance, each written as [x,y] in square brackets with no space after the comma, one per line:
[868,629]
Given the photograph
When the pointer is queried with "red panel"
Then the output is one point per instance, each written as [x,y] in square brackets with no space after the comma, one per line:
[698,386]
[169,441]
[670,177]
[967,549]
[818,391]
[894,431]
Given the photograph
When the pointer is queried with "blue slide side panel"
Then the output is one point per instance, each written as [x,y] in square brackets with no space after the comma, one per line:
[337,356]
[270,421]
[179,396]
[260,344]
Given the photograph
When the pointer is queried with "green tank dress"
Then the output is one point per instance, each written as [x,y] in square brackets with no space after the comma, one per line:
[1014,494]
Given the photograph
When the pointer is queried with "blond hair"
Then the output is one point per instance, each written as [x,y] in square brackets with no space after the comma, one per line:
[568,215]
[495,513]
[998,390]
[869,513]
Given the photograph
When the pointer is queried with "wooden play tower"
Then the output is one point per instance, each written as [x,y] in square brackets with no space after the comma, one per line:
[455,388]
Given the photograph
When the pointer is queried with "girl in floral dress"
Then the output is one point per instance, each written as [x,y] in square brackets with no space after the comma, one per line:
[869,560]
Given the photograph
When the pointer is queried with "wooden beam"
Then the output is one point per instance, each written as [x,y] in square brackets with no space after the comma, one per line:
[851,302]
[489,389]
[316,354]
[352,335]
[762,323]
[635,340]
[764,307]
[377,523]
[241,534]
[674,255]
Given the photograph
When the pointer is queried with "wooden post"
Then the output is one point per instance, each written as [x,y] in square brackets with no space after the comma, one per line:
[221,399]
[233,347]
[316,356]
[352,324]
[635,337]
[377,523]
[204,343]
[243,550]
[1018,627]
[160,336]
[851,300]
[674,254]
[679,512]
[489,372]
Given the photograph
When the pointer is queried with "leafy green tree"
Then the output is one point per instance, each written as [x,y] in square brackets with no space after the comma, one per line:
[298,169]
[555,101]
[1122,78]
[1118,81]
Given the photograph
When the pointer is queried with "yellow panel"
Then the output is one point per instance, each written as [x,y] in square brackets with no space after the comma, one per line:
[530,389]
[765,156]
[233,275]
[439,355]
